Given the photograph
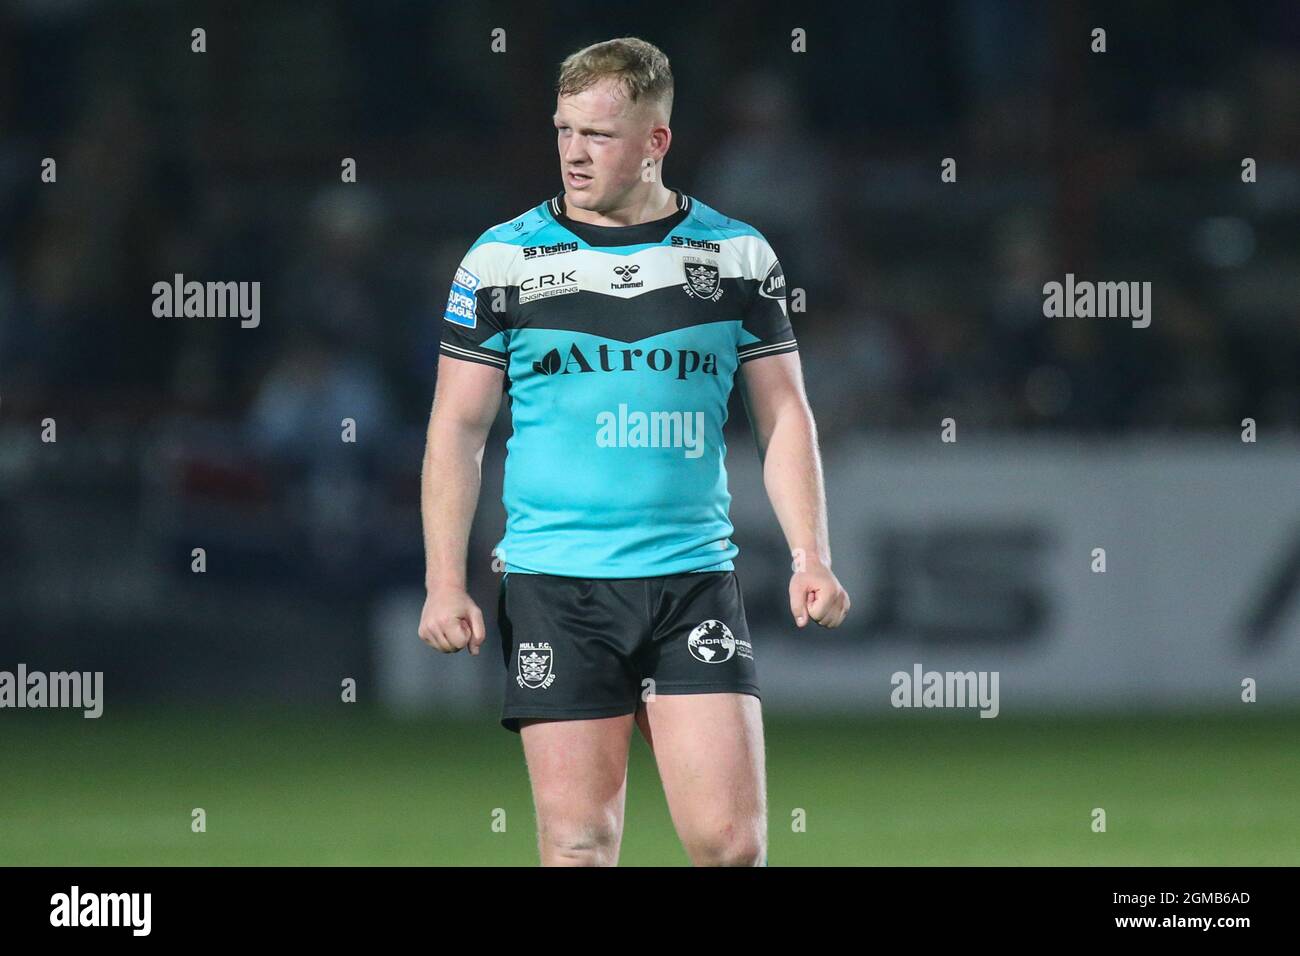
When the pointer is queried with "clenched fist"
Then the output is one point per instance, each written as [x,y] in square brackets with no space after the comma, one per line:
[451,621]
[816,593]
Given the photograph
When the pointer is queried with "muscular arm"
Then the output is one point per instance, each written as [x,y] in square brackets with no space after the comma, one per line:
[787,448]
[786,435]
[465,404]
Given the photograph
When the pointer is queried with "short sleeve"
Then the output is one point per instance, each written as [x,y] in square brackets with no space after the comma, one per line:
[765,329]
[475,319]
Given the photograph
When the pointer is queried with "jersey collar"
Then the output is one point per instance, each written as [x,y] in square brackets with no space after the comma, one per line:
[643,232]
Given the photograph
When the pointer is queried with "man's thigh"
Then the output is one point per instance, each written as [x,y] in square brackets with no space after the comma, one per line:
[703,717]
[710,753]
[578,771]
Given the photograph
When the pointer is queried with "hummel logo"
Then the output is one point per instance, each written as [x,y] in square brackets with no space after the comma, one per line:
[626,273]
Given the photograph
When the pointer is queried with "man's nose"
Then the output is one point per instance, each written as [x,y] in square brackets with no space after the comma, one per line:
[575,150]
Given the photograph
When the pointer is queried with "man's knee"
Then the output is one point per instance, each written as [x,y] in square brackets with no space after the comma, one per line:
[591,843]
[729,843]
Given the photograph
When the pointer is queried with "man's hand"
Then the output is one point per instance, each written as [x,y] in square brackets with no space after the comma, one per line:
[815,592]
[451,621]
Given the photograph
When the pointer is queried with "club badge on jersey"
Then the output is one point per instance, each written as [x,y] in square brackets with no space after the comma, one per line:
[702,279]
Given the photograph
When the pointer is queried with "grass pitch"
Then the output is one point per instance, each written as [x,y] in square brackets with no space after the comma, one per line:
[350,787]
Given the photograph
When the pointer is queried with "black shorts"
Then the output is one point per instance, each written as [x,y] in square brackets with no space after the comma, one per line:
[578,648]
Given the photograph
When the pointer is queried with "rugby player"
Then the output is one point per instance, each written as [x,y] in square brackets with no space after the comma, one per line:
[616,315]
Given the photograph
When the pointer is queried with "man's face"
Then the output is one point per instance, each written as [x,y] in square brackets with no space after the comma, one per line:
[603,141]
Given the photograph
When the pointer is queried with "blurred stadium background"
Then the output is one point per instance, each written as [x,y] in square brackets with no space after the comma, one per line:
[1119,690]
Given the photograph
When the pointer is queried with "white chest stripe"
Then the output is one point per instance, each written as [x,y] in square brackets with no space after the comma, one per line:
[613,274]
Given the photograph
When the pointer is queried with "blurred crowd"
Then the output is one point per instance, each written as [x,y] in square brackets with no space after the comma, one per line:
[922,298]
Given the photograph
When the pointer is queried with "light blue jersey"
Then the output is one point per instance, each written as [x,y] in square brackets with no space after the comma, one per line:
[620,344]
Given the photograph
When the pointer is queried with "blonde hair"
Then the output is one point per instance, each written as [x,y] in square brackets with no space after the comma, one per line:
[640,68]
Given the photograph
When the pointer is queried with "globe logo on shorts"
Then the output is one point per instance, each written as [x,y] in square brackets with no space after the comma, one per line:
[711,642]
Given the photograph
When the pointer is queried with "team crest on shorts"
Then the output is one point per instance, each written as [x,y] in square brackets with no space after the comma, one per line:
[535,666]
[702,280]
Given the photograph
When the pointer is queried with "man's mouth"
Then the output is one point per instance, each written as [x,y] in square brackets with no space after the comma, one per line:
[577,179]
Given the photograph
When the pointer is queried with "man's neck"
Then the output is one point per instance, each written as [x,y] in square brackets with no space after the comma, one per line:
[659,202]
